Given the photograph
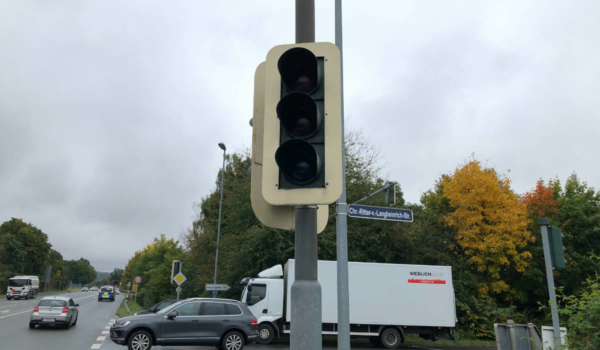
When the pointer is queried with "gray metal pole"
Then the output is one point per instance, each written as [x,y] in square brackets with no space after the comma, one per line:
[305,21]
[341,224]
[550,277]
[219,225]
[306,291]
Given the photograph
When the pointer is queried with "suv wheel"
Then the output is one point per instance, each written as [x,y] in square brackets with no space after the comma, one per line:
[265,334]
[140,340]
[232,341]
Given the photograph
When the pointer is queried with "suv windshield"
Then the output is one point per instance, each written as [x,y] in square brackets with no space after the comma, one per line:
[168,308]
[17,283]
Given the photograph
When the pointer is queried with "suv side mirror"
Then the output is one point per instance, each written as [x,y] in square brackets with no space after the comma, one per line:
[172,314]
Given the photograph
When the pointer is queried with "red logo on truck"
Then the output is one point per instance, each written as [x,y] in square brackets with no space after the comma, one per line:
[425,281]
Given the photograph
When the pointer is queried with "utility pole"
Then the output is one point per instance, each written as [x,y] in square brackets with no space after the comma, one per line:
[306,290]
[341,223]
[550,277]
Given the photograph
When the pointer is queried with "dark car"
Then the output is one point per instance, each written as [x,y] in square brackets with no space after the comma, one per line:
[157,307]
[196,321]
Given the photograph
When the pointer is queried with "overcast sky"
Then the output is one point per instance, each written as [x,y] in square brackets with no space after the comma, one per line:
[111,111]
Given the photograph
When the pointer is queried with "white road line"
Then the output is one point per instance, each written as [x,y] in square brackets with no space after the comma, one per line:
[101,338]
[96,346]
[107,327]
[5,311]
[18,313]
[104,332]
[112,320]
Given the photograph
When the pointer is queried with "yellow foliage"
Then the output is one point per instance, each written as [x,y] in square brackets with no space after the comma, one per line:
[490,220]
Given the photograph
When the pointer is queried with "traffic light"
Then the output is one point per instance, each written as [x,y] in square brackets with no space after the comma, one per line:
[281,217]
[390,196]
[302,160]
[557,250]
[175,269]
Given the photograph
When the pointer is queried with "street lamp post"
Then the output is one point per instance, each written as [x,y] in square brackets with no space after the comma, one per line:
[222,146]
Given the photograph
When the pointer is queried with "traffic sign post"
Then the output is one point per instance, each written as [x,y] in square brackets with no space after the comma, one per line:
[138,279]
[543,223]
[179,279]
[380,213]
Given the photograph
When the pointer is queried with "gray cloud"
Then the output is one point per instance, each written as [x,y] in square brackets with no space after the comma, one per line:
[110,112]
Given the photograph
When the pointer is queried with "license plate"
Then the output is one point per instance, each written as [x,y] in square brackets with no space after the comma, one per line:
[48,319]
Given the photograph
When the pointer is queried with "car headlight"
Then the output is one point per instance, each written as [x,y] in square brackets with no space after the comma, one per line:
[121,324]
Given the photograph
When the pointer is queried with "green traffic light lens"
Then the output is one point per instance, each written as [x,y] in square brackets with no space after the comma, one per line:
[299,70]
[299,161]
[299,115]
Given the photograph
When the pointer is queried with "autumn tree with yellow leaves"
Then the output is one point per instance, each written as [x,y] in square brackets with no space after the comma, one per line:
[490,221]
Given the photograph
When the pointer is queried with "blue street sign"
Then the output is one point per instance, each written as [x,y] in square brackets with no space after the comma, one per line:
[379,213]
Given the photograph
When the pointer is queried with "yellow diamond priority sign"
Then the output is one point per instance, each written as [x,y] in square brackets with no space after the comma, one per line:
[179,279]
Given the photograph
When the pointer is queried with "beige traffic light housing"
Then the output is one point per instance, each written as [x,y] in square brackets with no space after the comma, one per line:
[329,56]
[281,217]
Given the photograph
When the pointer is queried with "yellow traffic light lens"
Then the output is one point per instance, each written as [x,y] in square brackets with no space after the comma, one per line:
[299,115]
[299,161]
[299,70]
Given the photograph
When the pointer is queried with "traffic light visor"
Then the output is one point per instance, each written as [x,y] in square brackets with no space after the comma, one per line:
[299,115]
[298,161]
[299,70]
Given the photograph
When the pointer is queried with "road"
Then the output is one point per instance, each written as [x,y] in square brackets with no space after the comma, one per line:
[94,319]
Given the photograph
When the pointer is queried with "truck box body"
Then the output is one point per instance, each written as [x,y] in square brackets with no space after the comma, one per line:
[385,294]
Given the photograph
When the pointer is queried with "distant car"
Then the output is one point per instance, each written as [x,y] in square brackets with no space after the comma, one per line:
[55,310]
[84,289]
[106,293]
[157,307]
[117,291]
[223,322]
[94,289]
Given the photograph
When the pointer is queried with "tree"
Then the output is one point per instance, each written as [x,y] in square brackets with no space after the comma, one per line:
[116,275]
[490,221]
[542,201]
[79,271]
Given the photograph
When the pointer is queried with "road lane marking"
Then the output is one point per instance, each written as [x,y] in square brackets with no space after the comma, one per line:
[107,327]
[5,311]
[101,338]
[112,320]
[96,346]
[18,313]
[104,332]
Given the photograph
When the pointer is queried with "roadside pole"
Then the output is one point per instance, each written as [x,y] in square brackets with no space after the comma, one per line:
[341,223]
[306,290]
[550,277]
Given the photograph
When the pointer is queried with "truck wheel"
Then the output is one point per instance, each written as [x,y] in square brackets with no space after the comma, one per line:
[390,338]
[265,334]
[8,298]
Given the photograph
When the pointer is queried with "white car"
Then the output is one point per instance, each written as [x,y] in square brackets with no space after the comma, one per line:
[117,291]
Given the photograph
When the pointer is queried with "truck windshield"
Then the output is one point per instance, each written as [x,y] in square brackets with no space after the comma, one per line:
[17,283]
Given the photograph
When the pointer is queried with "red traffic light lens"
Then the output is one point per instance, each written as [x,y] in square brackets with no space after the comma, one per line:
[299,70]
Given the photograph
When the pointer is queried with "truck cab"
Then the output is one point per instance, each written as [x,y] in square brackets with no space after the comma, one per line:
[264,296]
[22,287]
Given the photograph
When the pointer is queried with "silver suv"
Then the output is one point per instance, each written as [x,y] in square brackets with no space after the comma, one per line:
[55,311]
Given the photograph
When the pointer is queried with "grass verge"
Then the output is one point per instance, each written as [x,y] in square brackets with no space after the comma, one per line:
[122,311]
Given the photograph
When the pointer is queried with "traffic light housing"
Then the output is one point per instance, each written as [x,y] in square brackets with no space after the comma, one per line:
[302,160]
[557,250]
[281,217]
[175,269]
[390,196]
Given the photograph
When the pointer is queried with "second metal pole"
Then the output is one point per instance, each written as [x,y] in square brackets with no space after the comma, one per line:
[306,290]
[550,277]
[341,224]
[214,293]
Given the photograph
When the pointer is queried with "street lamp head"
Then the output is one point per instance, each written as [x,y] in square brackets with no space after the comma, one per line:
[222,146]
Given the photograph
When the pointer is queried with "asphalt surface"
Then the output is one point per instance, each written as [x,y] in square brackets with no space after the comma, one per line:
[95,318]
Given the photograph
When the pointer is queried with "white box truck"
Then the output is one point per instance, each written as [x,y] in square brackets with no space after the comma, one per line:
[22,287]
[387,301]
